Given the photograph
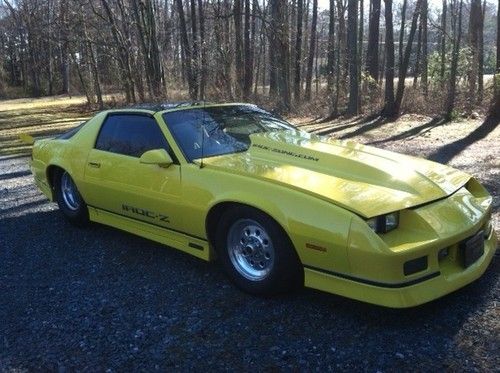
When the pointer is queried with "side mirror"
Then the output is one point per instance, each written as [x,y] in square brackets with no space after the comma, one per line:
[156,156]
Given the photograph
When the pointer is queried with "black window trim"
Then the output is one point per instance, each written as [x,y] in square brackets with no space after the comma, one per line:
[143,114]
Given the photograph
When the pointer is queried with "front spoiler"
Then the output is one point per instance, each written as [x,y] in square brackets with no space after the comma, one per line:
[402,295]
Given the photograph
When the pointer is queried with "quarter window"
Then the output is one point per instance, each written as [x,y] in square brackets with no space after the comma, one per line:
[130,135]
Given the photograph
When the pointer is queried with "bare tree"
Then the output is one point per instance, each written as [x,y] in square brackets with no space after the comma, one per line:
[203,51]
[372,57]
[331,47]
[352,32]
[64,50]
[473,41]
[456,24]
[186,48]
[278,38]
[238,40]
[248,76]
[123,53]
[403,67]
[495,105]
[312,46]
[389,106]
[443,36]
[424,61]
[297,86]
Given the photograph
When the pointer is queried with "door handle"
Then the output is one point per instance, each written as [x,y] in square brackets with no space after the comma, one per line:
[94,164]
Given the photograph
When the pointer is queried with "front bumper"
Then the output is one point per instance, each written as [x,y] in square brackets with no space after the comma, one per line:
[406,294]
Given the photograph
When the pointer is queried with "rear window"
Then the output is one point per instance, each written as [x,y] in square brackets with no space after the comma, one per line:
[69,134]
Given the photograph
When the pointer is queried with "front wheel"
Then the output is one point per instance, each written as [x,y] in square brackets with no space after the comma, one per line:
[256,253]
[69,200]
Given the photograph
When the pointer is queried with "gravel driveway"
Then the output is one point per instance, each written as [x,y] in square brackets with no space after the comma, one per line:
[101,299]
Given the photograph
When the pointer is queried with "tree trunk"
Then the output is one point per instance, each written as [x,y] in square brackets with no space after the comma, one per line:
[312,46]
[495,105]
[248,76]
[192,84]
[352,32]
[82,81]
[64,52]
[240,74]
[146,27]
[279,43]
[203,48]
[93,62]
[480,72]
[424,60]
[457,35]
[297,86]
[50,71]
[417,59]
[443,46]
[123,55]
[389,108]
[331,48]
[342,51]
[195,57]
[360,51]
[498,38]
[253,43]
[402,32]
[474,30]
[403,68]
[372,57]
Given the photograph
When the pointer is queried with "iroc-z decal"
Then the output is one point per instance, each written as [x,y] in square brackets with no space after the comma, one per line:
[146,213]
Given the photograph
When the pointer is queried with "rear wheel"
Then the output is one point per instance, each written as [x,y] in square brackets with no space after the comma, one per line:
[69,199]
[256,253]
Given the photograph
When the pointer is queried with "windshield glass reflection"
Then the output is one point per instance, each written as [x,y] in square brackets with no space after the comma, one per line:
[210,131]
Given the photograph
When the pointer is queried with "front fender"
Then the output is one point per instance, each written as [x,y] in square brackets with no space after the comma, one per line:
[317,229]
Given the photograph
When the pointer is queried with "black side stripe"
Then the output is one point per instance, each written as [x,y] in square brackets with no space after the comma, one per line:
[376,283]
[149,223]
[195,246]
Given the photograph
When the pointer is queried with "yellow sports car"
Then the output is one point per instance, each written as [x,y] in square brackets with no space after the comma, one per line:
[278,207]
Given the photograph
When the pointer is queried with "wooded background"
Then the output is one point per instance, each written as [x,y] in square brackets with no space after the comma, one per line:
[355,56]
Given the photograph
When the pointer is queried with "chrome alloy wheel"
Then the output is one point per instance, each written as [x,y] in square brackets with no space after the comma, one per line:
[69,192]
[250,249]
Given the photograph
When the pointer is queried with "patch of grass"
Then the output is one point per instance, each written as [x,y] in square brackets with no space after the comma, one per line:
[42,117]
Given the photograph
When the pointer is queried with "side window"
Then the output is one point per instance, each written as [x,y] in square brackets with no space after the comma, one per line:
[130,135]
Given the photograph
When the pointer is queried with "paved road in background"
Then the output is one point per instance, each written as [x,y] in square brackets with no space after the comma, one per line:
[99,298]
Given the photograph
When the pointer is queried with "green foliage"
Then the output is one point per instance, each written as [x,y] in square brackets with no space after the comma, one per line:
[496,83]
[434,63]
[490,60]
[368,79]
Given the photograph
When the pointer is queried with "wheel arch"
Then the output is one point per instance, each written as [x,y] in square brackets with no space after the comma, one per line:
[217,210]
[52,171]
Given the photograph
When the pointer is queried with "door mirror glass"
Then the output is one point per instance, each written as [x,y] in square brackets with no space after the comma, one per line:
[156,156]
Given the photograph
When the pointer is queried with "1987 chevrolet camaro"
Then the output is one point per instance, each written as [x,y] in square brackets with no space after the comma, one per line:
[277,206]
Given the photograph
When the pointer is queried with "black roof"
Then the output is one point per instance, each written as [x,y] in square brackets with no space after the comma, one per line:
[160,106]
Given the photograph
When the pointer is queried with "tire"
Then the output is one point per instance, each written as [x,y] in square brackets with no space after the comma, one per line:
[256,253]
[69,200]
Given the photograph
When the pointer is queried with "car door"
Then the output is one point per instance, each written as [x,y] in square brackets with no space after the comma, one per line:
[119,183]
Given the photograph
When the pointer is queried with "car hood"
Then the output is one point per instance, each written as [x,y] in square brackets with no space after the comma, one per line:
[360,178]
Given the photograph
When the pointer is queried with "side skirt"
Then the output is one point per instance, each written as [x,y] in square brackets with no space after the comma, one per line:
[191,245]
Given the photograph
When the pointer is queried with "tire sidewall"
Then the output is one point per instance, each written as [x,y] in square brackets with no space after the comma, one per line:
[78,217]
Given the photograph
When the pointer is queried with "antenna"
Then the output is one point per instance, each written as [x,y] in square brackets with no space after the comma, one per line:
[202,134]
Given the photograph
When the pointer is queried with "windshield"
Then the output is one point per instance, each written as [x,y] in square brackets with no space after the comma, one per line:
[211,131]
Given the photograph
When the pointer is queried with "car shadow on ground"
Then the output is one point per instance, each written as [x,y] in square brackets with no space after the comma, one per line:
[98,296]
